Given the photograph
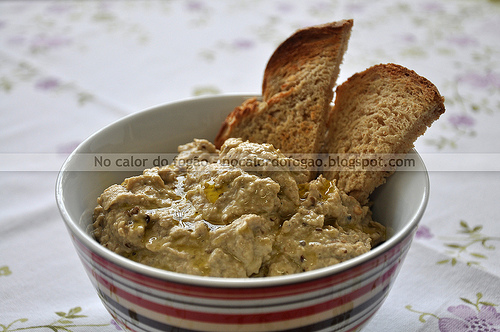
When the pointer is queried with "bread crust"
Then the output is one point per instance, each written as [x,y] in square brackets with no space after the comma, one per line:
[297,92]
[379,112]
[234,120]
[300,50]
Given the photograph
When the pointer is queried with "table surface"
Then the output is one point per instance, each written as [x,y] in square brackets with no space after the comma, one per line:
[70,68]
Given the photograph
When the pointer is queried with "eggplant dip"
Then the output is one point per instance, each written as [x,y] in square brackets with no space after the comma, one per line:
[205,216]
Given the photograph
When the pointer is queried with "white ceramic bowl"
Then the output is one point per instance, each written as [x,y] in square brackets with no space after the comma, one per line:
[342,297]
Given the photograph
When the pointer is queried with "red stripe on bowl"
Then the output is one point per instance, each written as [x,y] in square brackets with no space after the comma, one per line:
[253,316]
[229,293]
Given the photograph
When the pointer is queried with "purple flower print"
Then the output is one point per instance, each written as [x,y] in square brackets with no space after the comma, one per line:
[42,43]
[355,8]
[408,38]
[47,83]
[486,320]
[432,7]
[194,5]
[463,41]
[490,79]
[320,6]
[16,40]
[284,7]
[116,325]
[466,319]
[59,8]
[423,232]
[461,120]
[243,44]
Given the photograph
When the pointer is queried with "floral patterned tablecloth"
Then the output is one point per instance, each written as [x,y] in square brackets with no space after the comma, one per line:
[69,68]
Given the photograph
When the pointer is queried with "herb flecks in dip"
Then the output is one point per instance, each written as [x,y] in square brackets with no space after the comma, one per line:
[233,213]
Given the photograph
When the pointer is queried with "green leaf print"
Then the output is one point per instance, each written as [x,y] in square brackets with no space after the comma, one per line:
[461,248]
[478,305]
[423,315]
[5,84]
[205,90]
[64,323]
[5,271]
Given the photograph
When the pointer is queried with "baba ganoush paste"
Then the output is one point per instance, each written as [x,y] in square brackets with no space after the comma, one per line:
[202,215]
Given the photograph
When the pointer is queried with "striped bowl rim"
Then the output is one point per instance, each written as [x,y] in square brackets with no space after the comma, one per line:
[338,298]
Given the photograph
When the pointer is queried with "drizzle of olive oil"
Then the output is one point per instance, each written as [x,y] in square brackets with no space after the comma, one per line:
[213,192]
[303,190]
[327,187]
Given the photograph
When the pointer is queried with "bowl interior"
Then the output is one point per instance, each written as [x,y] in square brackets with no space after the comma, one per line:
[398,204]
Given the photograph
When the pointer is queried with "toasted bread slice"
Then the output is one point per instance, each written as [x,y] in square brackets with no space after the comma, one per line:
[297,92]
[379,112]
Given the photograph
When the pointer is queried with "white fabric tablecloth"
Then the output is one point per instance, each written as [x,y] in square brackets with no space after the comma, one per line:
[69,68]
